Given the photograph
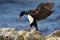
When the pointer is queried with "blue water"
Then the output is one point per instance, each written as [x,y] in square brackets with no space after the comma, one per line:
[9,12]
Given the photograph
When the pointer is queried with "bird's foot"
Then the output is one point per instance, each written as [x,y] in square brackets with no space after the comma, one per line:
[27,28]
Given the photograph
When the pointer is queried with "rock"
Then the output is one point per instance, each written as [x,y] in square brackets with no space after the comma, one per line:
[54,36]
[32,35]
[13,34]
[8,33]
[56,33]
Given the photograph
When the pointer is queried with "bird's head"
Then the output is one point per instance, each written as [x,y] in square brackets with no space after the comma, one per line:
[22,13]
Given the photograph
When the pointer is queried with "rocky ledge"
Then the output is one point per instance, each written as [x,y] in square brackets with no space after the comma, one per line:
[13,34]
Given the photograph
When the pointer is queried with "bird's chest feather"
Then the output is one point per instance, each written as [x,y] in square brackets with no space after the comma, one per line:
[30,18]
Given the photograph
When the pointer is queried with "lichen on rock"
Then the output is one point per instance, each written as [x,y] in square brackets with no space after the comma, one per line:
[13,34]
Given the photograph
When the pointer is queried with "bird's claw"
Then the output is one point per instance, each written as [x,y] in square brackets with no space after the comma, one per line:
[27,28]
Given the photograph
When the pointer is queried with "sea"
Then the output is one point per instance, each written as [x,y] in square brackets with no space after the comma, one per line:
[10,10]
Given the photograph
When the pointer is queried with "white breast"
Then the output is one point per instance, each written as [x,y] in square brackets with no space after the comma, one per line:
[30,18]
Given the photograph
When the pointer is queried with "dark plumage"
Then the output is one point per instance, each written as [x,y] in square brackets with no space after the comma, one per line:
[41,12]
[49,5]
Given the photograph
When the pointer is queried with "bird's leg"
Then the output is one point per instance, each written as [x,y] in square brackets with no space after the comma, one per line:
[28,28]
[35,24]
[32,24]
[36,28]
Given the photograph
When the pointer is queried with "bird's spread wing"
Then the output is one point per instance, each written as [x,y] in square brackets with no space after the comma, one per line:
[42,11]
[49,5]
